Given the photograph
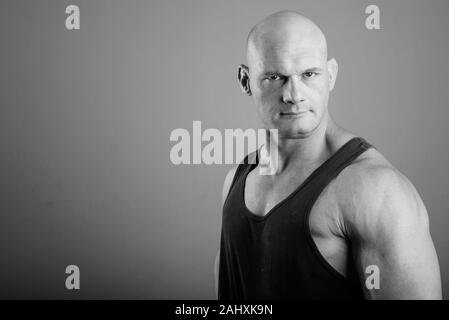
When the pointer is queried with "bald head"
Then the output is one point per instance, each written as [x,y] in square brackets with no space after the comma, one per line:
[284,30]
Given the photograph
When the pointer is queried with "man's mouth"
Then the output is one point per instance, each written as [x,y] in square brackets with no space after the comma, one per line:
[293,114]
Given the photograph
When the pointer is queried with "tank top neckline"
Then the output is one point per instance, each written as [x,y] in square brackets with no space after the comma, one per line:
[347,145]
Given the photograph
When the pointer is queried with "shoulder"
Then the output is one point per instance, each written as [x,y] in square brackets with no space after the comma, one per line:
[375,196]
[227,182]
[251,158]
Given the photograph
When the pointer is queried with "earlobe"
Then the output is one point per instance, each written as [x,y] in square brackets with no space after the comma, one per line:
[332,67]
[243,77]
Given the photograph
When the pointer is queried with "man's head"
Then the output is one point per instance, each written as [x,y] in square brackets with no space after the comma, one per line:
[288,74]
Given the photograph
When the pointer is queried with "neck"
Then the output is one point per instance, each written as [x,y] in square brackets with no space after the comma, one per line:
[302,152]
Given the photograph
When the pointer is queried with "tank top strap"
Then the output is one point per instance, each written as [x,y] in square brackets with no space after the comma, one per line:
[247,164]
[342,158]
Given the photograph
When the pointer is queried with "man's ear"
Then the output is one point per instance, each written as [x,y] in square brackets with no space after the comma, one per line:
[243,76]
[332,69]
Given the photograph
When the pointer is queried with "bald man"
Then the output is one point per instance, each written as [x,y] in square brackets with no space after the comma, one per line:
[336,220]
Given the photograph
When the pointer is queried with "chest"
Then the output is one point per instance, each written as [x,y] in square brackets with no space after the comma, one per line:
[262,195]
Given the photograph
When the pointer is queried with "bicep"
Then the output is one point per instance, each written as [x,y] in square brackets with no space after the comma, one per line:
[391,238]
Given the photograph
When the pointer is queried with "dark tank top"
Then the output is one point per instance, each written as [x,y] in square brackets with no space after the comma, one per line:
[274,256]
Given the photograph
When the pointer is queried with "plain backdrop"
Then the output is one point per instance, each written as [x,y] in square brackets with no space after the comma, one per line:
[86,115]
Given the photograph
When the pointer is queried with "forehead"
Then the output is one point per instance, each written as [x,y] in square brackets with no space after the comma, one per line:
[285,57]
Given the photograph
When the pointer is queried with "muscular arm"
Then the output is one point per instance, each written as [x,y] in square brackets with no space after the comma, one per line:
[226,187]
[388,225]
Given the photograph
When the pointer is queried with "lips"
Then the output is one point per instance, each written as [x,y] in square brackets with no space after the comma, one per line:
[291,113]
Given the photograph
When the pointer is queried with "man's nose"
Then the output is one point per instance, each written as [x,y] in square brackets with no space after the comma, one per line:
[293,92]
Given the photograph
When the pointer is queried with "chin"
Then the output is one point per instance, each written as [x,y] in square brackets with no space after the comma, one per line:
[298,129]
[298,134]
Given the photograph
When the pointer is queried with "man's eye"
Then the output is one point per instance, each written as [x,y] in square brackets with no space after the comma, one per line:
[309,74]
[273,77]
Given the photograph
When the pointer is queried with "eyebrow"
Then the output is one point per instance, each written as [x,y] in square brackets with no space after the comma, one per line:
[312,69]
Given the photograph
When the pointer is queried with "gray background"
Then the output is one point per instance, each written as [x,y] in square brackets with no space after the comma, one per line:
[85,175]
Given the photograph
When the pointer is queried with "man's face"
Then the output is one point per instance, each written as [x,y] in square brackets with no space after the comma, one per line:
[290,85]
